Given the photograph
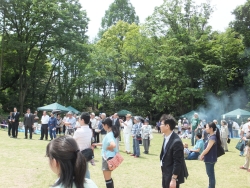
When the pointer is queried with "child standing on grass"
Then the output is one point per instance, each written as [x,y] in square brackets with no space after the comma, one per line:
[247,154]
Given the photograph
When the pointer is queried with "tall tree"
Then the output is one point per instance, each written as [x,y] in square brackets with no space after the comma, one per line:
[119,10]
[242,21]
[34,29]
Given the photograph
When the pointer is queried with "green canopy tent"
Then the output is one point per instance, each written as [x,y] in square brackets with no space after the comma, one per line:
[75,111]
[53,106]
[238,113]
[123,112]
[188,115]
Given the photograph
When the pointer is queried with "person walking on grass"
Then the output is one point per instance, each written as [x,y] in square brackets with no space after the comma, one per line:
[136,137]
[109,149]
[68,163]
[209,155]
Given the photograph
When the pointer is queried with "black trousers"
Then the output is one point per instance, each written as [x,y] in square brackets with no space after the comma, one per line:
[30,131]
[44,131]
[9,128]
[64,129]
[96,136]
[58,130]
[15,129]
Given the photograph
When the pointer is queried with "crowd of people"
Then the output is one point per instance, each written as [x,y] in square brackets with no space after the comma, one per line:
[88,131]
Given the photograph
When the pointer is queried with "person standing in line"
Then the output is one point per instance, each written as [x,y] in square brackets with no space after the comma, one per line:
[28,122]
[116,122]
[127,127]
[102,131]
[135,133]
[59,124]
[10,124]
[230,128]
[52,126]
[15,123]
[70,123]
[64,120]
[109,149]
[94,125]
[194,127]
[145,132]
[224,135]
[83,136]
[36,118]
[209,155]
[44,128]
[173,166]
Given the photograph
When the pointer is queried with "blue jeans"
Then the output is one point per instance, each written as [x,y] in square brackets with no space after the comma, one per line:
[193,155]
[230,132]
[87,175]
[136,147]
[52,133]
[210,173]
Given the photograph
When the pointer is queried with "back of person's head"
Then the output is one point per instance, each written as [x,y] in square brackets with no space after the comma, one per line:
[72,165]
[169,119]
[86,117]
[108,122]
[199,135]
[213,126]
[223,122]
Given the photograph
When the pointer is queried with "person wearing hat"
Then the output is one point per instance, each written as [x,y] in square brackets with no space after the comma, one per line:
[127,125]
[145,132]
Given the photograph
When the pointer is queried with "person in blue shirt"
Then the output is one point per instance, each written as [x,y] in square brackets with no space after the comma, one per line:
[109,149]
[52,126]
[198,148]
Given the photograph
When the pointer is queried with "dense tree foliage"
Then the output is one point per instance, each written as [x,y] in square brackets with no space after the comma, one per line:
[167,64]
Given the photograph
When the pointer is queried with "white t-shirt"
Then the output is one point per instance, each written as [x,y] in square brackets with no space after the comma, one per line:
[83,137]
[45,119]
[245,127]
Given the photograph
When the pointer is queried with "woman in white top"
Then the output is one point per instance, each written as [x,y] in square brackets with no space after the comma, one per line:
[127,127]
[67,162]
[83,135]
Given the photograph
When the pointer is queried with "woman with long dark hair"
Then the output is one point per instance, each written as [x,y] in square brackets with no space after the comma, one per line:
[109,149]
[209,155]
[68,163]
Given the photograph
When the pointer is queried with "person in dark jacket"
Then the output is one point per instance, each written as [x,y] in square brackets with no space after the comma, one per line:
[9,124]
[52,126]
[28,122]
[173,166]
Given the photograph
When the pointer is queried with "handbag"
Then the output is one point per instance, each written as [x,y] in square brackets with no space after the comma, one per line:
[220,151]
[88,154]
[228,140]
[115,161]
[138,137]
[240,145]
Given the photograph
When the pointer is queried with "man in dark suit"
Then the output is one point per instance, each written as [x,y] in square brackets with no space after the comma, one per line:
[15,122]
[173,165]
[28,123]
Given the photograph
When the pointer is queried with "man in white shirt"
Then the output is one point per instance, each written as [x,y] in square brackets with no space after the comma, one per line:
[127,125]
[44,128]
[94,124]
[244,129]
[83,135]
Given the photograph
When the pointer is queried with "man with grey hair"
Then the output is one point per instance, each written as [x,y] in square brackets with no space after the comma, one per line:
[70,123]
[194,127]
[100,127]
[94,126]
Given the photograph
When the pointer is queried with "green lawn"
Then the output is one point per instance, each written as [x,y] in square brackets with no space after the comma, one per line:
[24,165]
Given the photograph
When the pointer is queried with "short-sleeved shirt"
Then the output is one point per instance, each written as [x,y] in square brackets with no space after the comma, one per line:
[194,123]
[72,121]
[199,144]
[211,156]
[105,143]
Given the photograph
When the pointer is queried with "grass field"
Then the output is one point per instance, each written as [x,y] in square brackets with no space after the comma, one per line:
[23,164]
